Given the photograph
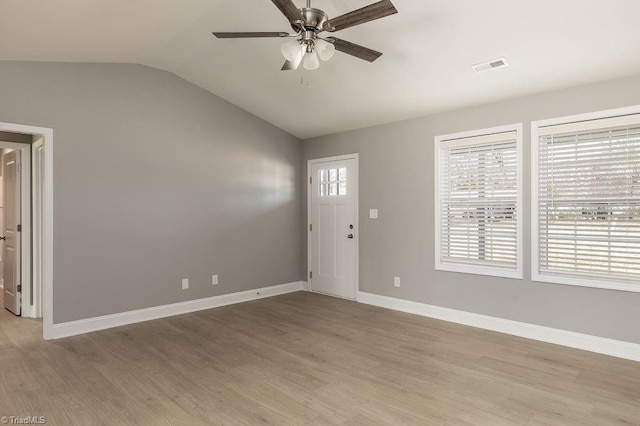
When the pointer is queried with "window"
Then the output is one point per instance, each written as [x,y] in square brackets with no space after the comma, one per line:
[586,200]
[332,182]
[478,202]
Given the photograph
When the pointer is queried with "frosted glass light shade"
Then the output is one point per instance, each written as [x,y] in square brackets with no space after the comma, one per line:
[292,51]
[325,49]
[310,61]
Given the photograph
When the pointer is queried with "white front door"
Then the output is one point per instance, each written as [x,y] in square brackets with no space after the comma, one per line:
[11,250]
[333,232]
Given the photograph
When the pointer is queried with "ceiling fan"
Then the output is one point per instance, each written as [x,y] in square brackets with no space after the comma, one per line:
[308,23]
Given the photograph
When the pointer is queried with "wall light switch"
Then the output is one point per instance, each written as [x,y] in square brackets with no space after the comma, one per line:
[185,283]
[373,213]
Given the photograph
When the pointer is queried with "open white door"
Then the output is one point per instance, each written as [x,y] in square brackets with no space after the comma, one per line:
[11,251]
[333,232]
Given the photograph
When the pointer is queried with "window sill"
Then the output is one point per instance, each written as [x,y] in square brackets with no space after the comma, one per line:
[480,270]
[587,282]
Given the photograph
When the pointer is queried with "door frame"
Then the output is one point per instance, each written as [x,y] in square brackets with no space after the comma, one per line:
[356,219]
[37,219]
[46,237]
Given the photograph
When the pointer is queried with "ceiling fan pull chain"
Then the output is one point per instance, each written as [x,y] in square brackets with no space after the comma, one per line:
[302,81]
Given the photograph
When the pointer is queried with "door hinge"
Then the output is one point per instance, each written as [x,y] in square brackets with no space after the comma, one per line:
[18,168]
[19,288]
[310,227]
[19,228]
[310,180]
[310,274]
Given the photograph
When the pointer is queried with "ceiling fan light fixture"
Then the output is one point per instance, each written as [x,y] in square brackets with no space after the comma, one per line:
[310,61]
[292,51]
[324,49]
[308,22]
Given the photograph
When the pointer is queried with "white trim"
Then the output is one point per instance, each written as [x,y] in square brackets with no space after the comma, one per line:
[481,137]
[89,325]
[601,345]
[489,134]
[334,158]
[27,309]
[356,219]
[595,124]
[596,115]
[37,198]
[536,275]
[474,133]
[47,225]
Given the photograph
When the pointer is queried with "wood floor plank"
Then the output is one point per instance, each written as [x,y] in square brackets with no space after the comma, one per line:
[307,359]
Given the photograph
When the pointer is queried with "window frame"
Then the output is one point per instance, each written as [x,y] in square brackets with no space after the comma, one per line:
[589,120]
[471,267]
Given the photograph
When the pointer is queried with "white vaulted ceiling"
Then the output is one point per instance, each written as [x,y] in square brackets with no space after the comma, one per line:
[429,47]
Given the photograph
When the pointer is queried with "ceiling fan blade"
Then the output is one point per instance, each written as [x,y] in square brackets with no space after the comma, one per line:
[360,16]
[290,66]
[289,10]
[249,35]
[354,49]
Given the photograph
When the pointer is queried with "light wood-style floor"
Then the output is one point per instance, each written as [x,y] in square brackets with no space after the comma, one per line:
[304,358]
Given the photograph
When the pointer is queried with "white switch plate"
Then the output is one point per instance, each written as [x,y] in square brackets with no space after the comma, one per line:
[373,213]
[185,283]
[396,281]
[214,280]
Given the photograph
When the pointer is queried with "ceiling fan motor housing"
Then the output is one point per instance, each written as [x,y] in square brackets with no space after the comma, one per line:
[314,19]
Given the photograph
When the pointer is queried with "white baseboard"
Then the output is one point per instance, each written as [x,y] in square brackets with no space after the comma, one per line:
[88,325]
[571,339]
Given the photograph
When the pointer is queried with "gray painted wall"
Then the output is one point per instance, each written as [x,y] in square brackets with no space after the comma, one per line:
[396,176]
[156,180]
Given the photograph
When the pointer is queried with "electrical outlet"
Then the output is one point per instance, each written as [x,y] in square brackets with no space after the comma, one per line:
[373,213]
[396,281]
[214,280]
[185,283]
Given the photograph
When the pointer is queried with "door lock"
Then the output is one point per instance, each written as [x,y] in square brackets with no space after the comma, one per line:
[350,236]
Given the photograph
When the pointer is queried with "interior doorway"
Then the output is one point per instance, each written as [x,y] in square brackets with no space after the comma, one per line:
[15,224]
[26,219]
[11,239]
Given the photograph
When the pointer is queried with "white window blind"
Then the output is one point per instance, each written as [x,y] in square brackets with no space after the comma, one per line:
[588,179]
[477,201]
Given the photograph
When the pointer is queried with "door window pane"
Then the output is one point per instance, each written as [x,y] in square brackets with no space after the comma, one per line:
[332,182]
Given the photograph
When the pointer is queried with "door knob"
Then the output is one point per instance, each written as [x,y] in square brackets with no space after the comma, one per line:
[350,236]
[3,238]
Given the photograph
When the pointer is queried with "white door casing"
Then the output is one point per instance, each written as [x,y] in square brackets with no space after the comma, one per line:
[333,227]
[46,236]
[37,223]
[12,218]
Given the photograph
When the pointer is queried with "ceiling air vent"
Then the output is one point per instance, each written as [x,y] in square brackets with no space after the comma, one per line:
[491,65]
